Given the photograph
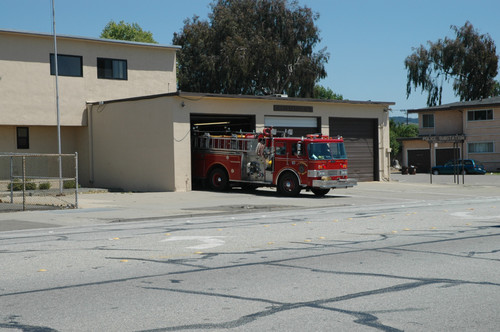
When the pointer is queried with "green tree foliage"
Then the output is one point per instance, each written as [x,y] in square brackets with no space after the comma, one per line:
[127,31]
[470,60]
[251,47]
[496,89]
[320,92]
[398,130]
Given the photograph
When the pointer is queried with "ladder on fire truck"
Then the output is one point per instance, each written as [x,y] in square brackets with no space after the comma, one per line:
[226,143]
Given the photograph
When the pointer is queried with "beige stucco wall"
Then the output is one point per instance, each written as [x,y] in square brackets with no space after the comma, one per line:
[27,90]
[132,146]
[43,139]
[448,123]
[145,145]
[445,123]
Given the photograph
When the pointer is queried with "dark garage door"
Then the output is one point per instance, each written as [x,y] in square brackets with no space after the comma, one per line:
[361,141]
[444,155]
[421,159]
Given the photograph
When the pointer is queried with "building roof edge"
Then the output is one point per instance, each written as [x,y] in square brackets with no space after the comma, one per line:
[93,39]
[487,102]
[200,95]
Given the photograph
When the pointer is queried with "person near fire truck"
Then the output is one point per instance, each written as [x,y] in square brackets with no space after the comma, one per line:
[263,154]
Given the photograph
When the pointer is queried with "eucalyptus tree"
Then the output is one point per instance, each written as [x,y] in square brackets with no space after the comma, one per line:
[252,47]
[321,92]
[469,61]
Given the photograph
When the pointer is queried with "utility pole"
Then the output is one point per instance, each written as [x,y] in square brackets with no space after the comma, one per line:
[57,97]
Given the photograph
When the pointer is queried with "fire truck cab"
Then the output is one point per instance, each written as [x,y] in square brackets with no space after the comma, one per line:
[250,160]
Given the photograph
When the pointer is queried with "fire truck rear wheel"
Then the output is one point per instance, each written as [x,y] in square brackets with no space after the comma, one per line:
[320,192]
[288,185]
[218,179]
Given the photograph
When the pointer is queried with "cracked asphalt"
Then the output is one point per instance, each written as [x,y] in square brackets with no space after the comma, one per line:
[402,256]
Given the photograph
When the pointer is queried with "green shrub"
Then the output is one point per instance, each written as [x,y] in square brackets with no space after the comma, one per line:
[44,186]
[17,185]
[69,184]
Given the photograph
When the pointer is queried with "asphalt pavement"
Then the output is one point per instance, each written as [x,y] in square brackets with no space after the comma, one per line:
[106,207]
[401,255]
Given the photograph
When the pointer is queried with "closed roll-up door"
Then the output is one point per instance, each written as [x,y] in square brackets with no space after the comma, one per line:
[444,155]
[361,142]
[420,159]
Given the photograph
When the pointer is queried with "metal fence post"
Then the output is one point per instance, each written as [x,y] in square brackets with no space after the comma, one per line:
[11,181]
[24,183]
[76,180]
[60,174]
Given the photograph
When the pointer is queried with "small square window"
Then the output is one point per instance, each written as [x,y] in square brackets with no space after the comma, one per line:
[23,137]
[113,69]
[428,120]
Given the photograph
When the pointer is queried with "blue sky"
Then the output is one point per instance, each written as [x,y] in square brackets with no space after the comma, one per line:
[368,40]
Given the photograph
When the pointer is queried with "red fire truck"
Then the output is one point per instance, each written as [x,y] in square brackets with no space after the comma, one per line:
[250,160]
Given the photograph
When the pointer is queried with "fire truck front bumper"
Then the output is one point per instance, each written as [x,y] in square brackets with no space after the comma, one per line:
[340,183]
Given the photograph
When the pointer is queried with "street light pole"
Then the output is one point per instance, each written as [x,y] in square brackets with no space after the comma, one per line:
[57,97]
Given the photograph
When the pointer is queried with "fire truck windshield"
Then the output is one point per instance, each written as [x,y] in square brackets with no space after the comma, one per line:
[326,151]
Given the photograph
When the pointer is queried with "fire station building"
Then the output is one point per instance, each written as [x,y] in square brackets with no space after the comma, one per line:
[132,129]
[145,143]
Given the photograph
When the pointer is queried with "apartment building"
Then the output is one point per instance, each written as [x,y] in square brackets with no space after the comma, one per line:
[469,130]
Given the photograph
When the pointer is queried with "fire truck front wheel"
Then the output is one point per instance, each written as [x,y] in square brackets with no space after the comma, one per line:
[218,179]
[288,185]
[320,192]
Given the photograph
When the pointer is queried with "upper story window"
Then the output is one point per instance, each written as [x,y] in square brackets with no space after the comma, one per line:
[113,69]
[427,120]
[479,115]
[67,65]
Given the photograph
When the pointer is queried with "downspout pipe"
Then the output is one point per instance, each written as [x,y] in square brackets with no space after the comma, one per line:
[90,129]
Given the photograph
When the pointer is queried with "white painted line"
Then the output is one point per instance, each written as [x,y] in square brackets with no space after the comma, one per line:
[466,215]
[208,241]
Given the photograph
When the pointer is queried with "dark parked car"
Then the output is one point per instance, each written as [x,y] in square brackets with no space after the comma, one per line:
[466,166]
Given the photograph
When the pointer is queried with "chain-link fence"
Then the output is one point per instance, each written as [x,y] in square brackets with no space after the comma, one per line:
[38,181]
